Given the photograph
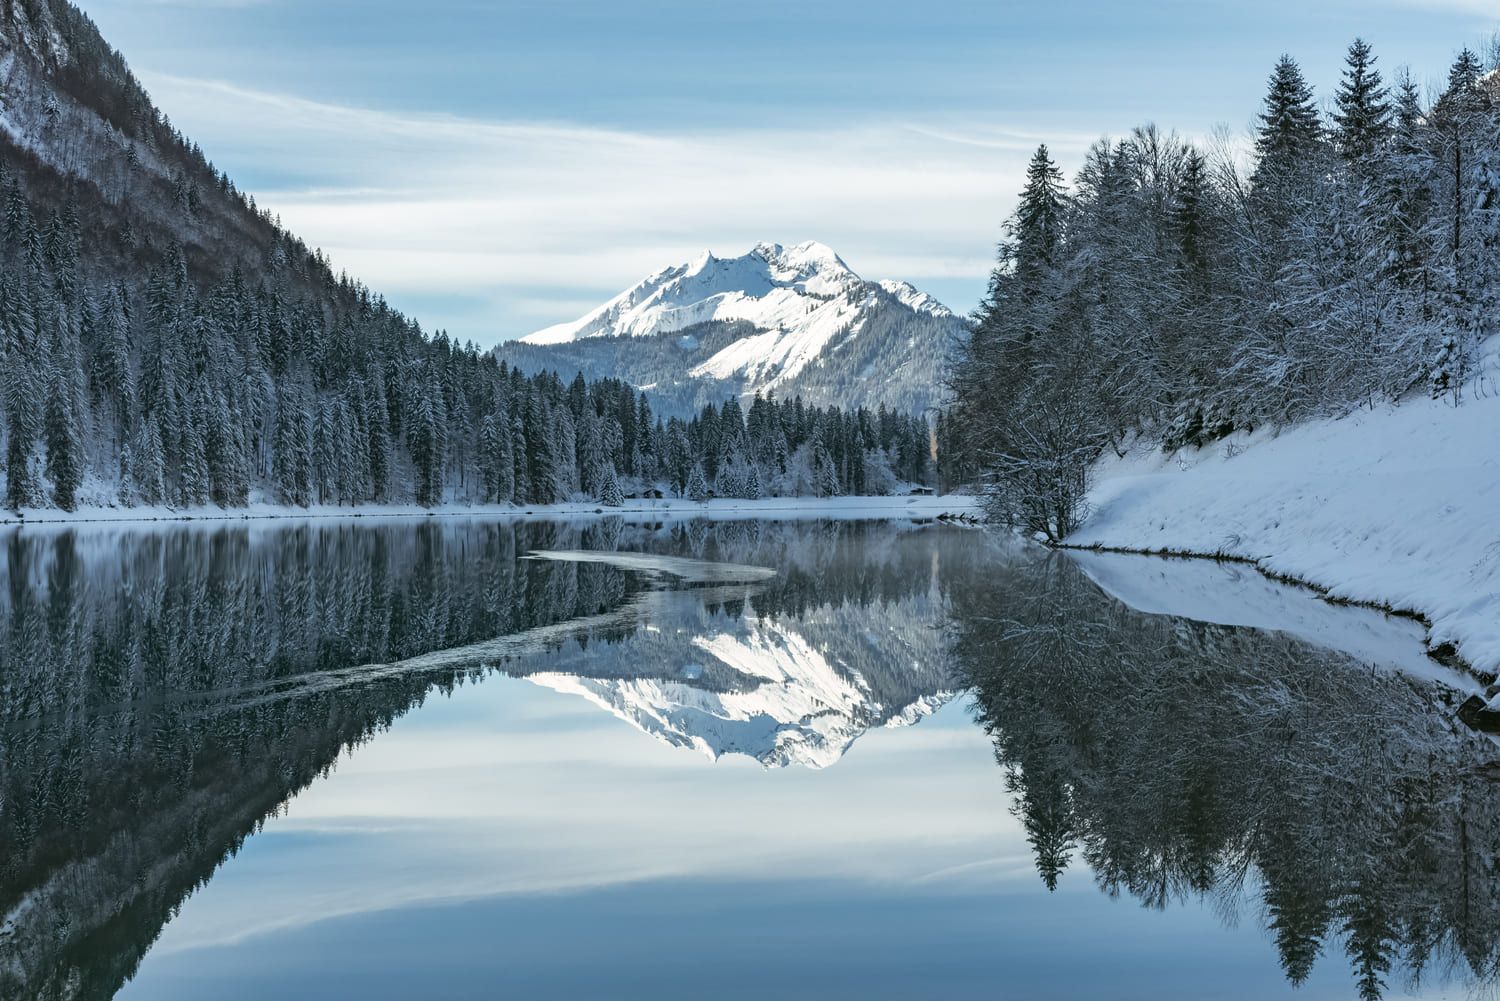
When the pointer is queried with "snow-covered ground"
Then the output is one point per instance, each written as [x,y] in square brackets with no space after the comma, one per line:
[772,508]
[1397,507]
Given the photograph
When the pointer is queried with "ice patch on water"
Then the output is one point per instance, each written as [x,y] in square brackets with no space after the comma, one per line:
[689,570]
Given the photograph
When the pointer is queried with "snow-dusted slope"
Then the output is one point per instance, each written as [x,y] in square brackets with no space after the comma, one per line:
[1396,507]
[776,320]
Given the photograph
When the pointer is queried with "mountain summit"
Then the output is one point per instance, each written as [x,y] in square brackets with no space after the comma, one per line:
[784,320]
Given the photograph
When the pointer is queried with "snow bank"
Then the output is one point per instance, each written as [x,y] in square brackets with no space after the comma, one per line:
[768,508]
[1399,507]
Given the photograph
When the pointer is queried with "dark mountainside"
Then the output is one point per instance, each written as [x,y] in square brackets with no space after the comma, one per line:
[166,342]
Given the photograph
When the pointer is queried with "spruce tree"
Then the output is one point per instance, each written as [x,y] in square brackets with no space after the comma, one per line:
[64,441]
[728,482]
[291,459]
[825,472]
[1288,145]
[377,428]
[1362,118]
[1289,126]
[490,437]
[145,479]
[21,401]
[609,492]
[1036,231]
[697,485]
[1046,814]
[1298,919]
[193,484]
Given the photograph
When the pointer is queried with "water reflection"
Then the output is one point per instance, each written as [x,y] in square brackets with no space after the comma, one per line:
[1178,759]
[164,694]
[161,693]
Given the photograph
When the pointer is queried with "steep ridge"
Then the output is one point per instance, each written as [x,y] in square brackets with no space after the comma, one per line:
[83,135]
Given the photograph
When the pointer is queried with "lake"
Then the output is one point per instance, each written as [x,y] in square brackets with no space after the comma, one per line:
[457,758]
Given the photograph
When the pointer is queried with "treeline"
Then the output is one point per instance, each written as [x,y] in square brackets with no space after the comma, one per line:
[1176,294]
[168,395]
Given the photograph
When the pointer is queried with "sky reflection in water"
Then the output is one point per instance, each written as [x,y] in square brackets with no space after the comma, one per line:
[511,836]
[513,841]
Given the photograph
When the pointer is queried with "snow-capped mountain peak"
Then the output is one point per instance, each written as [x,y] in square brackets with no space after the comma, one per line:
[813,267]
[758,286]
[807,309]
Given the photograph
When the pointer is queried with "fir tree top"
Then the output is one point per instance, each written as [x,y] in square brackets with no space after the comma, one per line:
[1037,226]
[1363,113]
[1289,121]
[1464,97]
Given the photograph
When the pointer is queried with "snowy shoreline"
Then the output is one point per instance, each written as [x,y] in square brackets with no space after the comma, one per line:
[774,508]
[1394,509]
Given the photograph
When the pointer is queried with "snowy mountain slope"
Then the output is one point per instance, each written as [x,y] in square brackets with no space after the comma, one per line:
[771,286]
[783,320]
[71,111]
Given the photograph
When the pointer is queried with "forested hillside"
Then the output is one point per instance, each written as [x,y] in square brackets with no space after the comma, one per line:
[163,341]
[1177,293]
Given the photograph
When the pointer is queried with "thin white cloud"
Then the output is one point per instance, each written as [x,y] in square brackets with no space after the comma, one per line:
[208,4]
[1486,9]
[428,204]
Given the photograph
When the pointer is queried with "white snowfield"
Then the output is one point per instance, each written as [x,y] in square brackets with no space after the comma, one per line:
[804,298]
[1397,507]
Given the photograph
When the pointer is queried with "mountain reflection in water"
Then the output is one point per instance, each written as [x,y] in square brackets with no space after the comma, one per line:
[164,693]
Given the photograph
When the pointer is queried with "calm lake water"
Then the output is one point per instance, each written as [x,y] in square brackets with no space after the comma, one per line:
[463,759]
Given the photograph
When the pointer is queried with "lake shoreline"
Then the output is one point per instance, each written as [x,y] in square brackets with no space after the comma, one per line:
[1443,653]
[673,509]
[1387,508]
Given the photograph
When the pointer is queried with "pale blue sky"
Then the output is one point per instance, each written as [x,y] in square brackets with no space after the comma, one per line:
[495,167]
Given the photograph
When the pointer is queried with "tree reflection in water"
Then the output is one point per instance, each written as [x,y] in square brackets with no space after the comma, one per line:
[1179,759]
[162,693]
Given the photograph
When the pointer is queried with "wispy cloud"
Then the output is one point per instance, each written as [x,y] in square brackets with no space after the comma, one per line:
[427,204]
[208,4]
[1485,9]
